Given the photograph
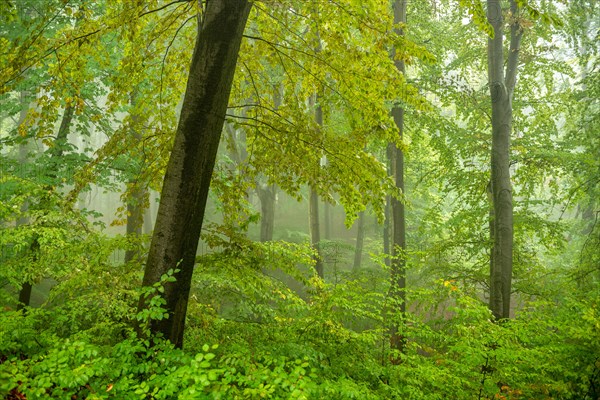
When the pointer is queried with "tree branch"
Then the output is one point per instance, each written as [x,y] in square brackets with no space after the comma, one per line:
[516,33]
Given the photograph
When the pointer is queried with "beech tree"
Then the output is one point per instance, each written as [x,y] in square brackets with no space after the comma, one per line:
[502,86]
[187,179]
[398,262]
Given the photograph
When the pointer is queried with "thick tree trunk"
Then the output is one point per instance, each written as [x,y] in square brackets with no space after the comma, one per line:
[360,239]
[501,91]
[187,179]
[398,264]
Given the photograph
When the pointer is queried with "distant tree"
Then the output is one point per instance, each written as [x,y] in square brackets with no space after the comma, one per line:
[501,83]
[313,205]
[136,196]
[360,239]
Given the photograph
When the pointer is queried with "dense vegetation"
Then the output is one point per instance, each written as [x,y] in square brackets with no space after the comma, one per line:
[403,204]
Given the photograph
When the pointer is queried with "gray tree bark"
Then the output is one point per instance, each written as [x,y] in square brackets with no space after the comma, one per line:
[266,194]
[185,188]
[313,205]
[315,230]
[327,212]
[398,263]
[360,240]
[502,85]
[137,196]
[58,148]
[387,223]
[327,220]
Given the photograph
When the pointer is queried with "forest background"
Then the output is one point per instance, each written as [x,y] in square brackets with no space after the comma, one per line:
[299,199]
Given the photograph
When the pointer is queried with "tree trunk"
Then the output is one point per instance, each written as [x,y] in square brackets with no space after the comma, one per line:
[25,291]
[398,270]
[148,215]
[24,295]
[327,207]
[56,152]
[315,230]
[136,199]
[387,223]
[266,194]
[491,228]
[327,220]
[187,179]
[135,218]
[501,92]
[313,214]
[360,239]
[58,147]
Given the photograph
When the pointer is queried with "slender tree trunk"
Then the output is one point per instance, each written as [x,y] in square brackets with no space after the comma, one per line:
[315,230]
[25,290]
[187,179]
[491,228]
[58,147]
[327,221]
[266,194]
[147,226]
[327,207]
[387,224]
[588,213]
[313,214]
[360,239]
[25,295]
[137,196]
[56,152]
[398,265]
[135,217]
[501,92]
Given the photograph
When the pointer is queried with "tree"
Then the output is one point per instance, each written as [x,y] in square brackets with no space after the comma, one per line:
[313,202]
[398,263]
[502,86]
[187,179]
[360,239]
[136,199]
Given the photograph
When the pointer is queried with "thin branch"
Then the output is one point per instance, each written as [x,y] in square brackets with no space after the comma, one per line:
[516,33]
[162,68]
[163,7]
